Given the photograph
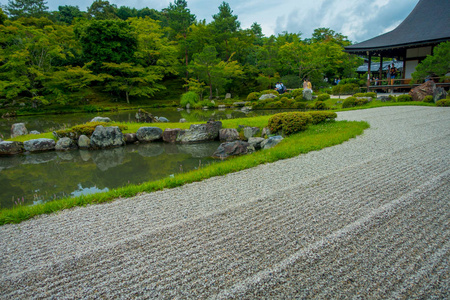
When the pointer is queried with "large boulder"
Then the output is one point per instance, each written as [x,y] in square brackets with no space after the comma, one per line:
[255,142]
[10,148]
[231,149]
[130,138]
[251,131]
[271,142]
[101,119]
[163,120]
[228,134]
[145,117]
[307,94]
[420,92]
[65,144]
[438,94]
[200,132]
[107,137]
[267,96]
[39,145]
[149,134]
[170,135]
[84,142]
[18,129]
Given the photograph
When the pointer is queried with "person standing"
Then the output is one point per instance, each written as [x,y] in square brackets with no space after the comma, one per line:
[393,73]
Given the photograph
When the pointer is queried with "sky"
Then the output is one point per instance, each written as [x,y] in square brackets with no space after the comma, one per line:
[359,20]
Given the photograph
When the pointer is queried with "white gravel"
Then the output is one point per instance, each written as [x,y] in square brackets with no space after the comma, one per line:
[365,219]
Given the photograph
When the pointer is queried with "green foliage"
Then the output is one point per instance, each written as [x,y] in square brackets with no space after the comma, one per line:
[254,96]
[297,92]
[270,92]
[361,101]
[26,8]
[428,99]
[289,123]
[323,97]
[299,98]
[443,102]
[349,102]
[404,98]
[190,97]
[322,116]
[342,89]
[86,129]
[319,105]
[436,65]
[373,95]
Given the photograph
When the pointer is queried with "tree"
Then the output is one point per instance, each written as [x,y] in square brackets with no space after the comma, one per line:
[68,13]
[125,12]
[106,41]
[26,8]
[102,10]
[131,79]
[224,25]
[211,69]
[437,64]
[3,17]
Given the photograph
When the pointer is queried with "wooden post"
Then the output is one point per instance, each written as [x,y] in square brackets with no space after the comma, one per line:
[368,70]
[381,69]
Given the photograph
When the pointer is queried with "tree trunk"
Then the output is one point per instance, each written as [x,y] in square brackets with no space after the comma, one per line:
[128,99]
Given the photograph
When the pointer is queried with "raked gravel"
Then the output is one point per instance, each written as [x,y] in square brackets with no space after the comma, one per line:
[365,219]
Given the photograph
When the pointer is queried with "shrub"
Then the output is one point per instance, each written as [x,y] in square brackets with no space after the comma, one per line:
[300,105]
[373,95]
[206,103]
[323,97]
[349,88]
[299,98]
[86,129]
[297,92]
[270,92]
[295,122]
[404,98]
[253,96]
[190,97]
[361,101]
[392,98]
[284,100]
[428,99]
[322,116]
[359,95]
[290,103]
[320,105]
[275,122]
[349,102]
[443,102]
[276,104]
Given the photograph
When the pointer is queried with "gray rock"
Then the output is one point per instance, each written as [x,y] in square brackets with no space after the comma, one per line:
[163,120]
[149,134]
[84,142]
[182,120]
[65,144]
[267,96]
[255,142]
[231,149]
[145,117]
[188,106]
[101,119]
[10,148]
[307,94]
[228,134]
[180,109]
[246,109]
[438,94]
[271,142]
[200,132]
[130,138]
[170,135]
[18,129]
[107,137]
[34,132]
[250,132]
[221,106]
[39,145]
[227,96]
[265,132]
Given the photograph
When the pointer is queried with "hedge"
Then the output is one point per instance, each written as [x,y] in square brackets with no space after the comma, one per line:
[293,122]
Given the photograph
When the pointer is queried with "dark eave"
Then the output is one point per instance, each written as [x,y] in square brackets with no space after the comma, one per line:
[427,24]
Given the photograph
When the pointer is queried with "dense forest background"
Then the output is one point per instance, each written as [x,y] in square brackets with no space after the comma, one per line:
[69,55]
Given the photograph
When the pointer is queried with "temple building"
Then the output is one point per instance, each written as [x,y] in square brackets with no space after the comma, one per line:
[426,26]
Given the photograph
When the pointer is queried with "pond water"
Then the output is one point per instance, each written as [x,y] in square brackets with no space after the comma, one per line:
[37,177]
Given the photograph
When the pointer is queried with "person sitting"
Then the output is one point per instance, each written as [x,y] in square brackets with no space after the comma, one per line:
[282,89]
[277,87]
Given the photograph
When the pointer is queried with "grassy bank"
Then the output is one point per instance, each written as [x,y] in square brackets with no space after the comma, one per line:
[315,138]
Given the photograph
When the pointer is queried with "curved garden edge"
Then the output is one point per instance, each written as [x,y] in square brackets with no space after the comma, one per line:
[314,138]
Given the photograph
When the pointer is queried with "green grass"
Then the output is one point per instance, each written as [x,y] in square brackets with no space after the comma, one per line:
[316,137]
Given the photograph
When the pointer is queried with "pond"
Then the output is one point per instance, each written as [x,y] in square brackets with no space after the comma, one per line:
[38,177]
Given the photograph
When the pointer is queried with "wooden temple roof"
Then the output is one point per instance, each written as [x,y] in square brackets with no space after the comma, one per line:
[427,24]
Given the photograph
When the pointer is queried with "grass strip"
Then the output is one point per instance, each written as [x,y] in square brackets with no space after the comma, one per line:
[316,137]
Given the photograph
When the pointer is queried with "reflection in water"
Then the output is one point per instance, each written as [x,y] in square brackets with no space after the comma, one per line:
[40,177]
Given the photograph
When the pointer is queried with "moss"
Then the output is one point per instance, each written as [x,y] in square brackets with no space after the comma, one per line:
[86,129]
